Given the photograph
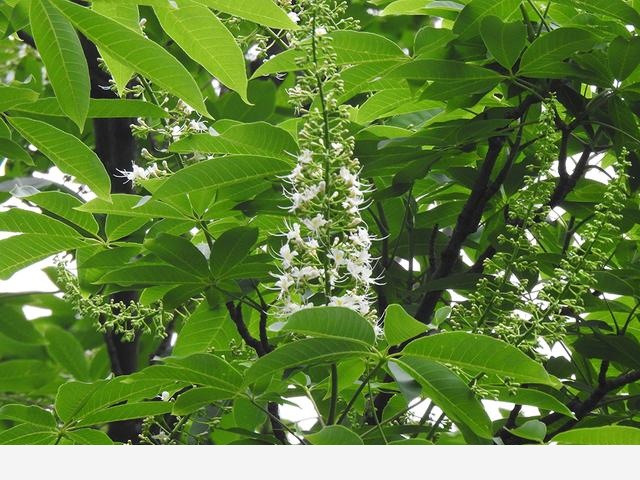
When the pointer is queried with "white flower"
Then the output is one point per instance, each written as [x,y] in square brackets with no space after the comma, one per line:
[165,396]
[361,238]
[316,223]
[337,147]
[162,437]
[296,173]
[320,31]
[253,53]
[176,132]
[284,283]
[294,17]
[308,273]
[287,255]
[306,156]
[337,255]
[197,126]
[294,233]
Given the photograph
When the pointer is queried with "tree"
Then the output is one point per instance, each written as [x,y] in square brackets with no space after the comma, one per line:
[396,209]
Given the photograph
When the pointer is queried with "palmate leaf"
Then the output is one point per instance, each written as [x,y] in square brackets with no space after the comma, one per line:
[31,414]
[350,47]
[129,17]
[399,326]
[331,322]
[205,329]
[134,50]
[23,250]
[196,398]
[231,248]
[66,350]
[447,391]
[28,434]
[221,172]
[608,435]
[205,39]
[480,353]
[128,205]
[67,152]
[334,435]
[64,205]
[505,41]
[25,221]
[260,138]
[98,108]
[76,400]
[13,96]
[62,54]
[544,58]
[304,352]
[88,436]
[470,18]
[126,411]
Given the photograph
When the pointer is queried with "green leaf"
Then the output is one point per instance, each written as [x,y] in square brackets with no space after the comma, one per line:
[28,414]
[608,435]
[62,54]
[64,205]
[68,153]
[231,248]
[65,349]
[611,8]
[399,326]
[206,40]
[179,252]
[17,328]
[259,139]
[134,50]
[13,96]
[127,411]
[536,398]
[205,329]
[544,58]
[615,348]
[200,369]
[505,41]
[76,400]
[470,18]
[88,436]
[221,172]
[623,56]
[28,434]
[479,353]
[23,250]
[118,226]
[334,435]
[150,274]
[447,391]
[126,15]
[24,376]
[132,206]
[263,12]
[531,430]
[450,77]
[98,108]
[304,352]
[13,151]
[196,398]
[351,48]
[26,221]
[331,322]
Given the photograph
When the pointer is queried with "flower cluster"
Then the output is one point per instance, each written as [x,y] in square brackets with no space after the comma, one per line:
[325,257]
[124,319]
[500,305]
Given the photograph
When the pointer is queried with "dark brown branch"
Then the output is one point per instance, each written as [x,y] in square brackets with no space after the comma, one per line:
[467,223]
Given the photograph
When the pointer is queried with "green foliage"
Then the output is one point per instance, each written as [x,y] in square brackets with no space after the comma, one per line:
[401,211]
